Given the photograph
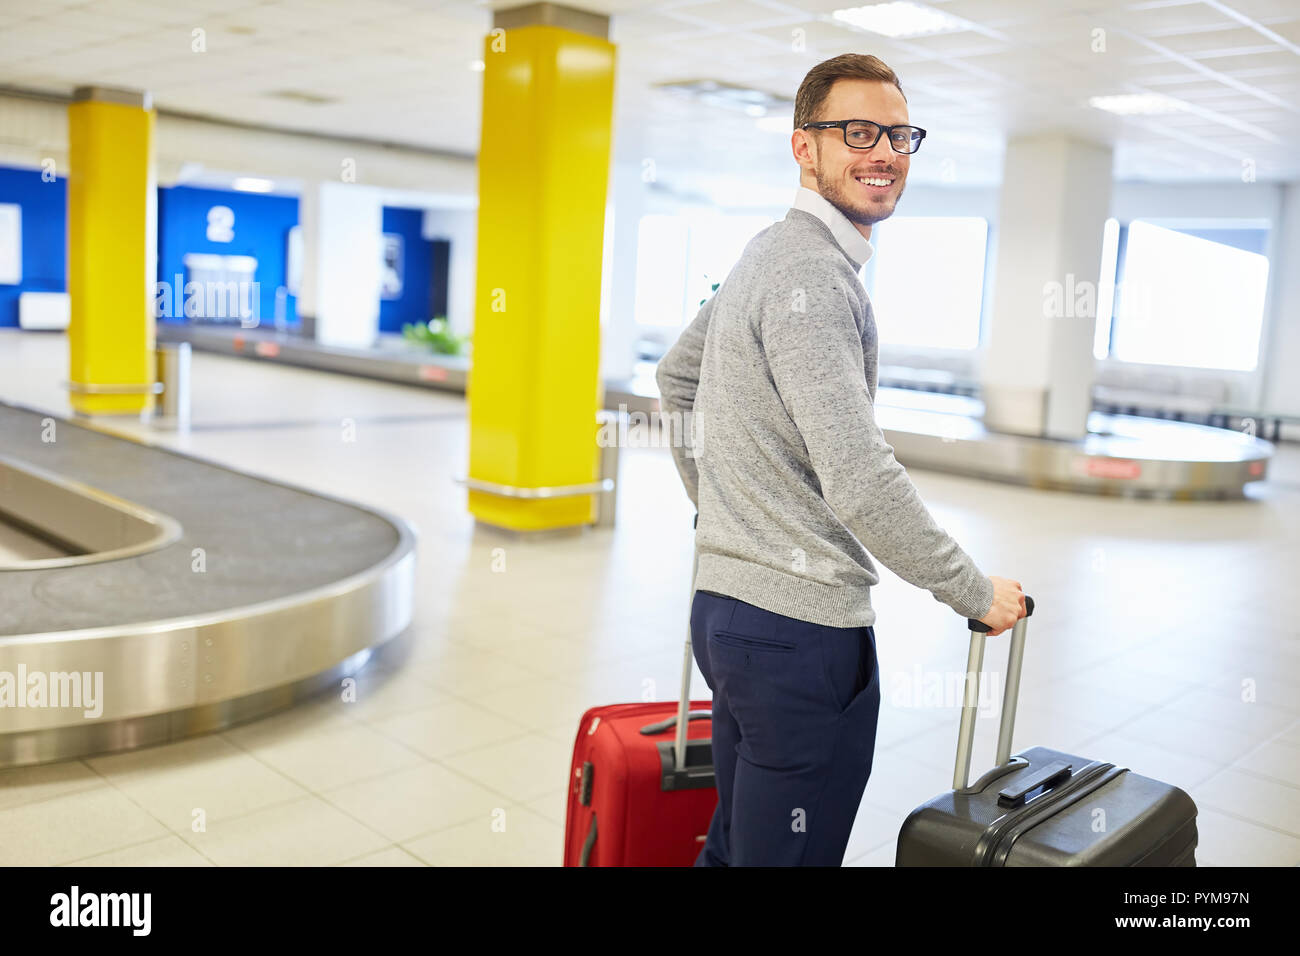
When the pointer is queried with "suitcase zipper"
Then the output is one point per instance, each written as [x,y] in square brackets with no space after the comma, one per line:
[995,831]
[1046,808]
[585,858]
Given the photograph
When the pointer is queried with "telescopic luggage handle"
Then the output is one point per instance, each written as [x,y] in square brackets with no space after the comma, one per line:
[684,716]
[1010,694]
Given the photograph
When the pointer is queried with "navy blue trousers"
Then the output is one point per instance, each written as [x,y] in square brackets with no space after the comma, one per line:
[795,707]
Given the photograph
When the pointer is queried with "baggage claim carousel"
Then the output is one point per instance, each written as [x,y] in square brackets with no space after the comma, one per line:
[1125,455]
[147,595]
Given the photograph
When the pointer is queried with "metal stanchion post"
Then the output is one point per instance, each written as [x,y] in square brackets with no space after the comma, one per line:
[608,453]
[173,372]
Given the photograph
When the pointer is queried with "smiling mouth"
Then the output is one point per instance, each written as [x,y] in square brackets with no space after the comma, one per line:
[876,183]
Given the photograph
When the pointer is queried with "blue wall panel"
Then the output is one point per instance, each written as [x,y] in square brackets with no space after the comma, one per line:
[45,235]
[415,303]
[261,229]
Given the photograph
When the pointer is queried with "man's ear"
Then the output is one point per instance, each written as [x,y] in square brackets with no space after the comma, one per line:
[801,146]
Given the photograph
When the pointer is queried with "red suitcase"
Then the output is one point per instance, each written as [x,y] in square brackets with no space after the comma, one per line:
[641,792]
[629,804]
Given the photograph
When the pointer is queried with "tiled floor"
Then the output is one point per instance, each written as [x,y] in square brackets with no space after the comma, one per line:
[1166,639]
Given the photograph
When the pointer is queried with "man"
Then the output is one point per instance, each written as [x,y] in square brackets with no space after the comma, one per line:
[795,484]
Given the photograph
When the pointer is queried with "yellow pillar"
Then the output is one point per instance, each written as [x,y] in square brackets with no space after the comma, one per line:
[112,250]
[544,160]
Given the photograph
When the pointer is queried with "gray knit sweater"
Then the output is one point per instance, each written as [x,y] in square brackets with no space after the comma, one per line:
[773,386]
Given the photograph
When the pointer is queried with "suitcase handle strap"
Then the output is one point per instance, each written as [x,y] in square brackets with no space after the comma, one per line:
[688,658]
[668,723]
[1010,695]
[1046,778]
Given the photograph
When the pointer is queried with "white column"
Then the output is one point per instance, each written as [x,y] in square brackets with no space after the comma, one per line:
[1038,365]
[342,226]
[1280,355]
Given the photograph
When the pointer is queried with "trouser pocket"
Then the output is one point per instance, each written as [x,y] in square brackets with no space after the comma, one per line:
[850,666]
[748,642]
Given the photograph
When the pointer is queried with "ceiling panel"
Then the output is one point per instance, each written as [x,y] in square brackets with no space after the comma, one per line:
[399,70]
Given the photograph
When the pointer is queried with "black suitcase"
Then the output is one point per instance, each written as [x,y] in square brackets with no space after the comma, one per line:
[1043,807]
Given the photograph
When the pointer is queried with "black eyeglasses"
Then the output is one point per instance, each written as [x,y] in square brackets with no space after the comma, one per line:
[864,134]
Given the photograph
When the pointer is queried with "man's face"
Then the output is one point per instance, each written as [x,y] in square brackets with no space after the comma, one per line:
[838,171]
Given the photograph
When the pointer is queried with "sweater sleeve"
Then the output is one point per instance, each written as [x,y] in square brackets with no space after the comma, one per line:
[678,376]
[814,350]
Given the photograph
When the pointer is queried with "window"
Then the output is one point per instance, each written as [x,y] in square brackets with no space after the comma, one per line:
[1191,295]
[926,280]
[1106,288]
[661,249]
[679,258]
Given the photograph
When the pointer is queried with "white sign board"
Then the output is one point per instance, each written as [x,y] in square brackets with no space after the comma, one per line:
[11,244]
[44,310]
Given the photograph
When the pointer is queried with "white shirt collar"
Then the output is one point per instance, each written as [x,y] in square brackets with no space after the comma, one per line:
[846,234]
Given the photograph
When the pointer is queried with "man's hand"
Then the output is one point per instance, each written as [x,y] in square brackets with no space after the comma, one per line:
[1008,605]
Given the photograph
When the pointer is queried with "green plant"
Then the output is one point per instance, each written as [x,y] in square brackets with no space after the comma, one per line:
[437,335]
[713,288]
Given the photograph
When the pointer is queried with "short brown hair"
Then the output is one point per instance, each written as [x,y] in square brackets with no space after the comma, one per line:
[816,86]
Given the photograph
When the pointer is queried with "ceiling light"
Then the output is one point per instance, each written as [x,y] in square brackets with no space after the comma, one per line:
[251,184]
[1134,104]
[728,96]
[302,96]
[901,19]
